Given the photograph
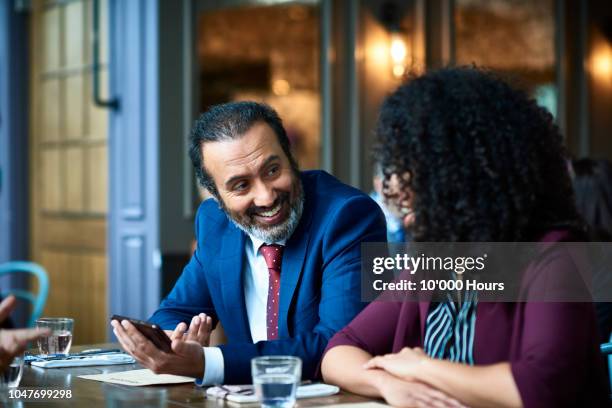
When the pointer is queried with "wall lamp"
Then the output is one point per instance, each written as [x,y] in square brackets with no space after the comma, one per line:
[400,54]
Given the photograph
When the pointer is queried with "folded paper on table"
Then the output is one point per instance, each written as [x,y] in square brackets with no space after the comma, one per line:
[99,360]
[138,378]
[245,394]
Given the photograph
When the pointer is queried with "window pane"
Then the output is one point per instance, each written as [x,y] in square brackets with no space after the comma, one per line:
[268,54]
[513,37]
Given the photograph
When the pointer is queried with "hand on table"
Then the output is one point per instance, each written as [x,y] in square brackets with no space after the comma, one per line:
[410,394]
[186,358]
[14,342]
[401,385]
[199,330]
[404,364]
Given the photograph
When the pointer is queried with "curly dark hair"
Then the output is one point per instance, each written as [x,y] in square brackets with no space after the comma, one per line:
[486,163]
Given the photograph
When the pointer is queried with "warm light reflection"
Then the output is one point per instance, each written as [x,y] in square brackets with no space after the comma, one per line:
[601,62]
[379,51]
[281,87]
[398,51]
[398,70]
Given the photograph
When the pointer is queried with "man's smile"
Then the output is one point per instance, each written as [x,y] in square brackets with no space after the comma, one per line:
[271,216]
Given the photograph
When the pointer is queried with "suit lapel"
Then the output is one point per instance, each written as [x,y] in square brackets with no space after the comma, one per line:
[231,265]
[293,261]
[293,258]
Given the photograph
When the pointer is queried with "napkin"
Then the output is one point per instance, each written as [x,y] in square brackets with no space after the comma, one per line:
[244,394]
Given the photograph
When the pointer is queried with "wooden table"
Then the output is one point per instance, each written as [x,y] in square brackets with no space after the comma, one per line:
[90,394]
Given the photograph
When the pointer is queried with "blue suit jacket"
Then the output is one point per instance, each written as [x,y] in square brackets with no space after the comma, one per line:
[320,280]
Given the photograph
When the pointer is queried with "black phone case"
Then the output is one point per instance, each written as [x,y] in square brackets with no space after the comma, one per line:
[150,331]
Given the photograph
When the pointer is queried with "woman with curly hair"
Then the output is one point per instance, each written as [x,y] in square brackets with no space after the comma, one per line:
[468,158]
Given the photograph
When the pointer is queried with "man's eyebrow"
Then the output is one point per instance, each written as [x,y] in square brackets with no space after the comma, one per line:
[241,176]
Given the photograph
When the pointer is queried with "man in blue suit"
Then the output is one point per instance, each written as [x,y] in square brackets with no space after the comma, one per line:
[278,254]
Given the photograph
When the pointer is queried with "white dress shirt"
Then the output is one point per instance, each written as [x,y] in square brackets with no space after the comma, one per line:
[255,282]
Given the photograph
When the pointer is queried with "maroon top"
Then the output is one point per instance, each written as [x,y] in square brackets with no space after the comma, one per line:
[552,348]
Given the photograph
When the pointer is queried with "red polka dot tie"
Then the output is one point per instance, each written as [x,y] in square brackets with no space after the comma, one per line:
[273,254]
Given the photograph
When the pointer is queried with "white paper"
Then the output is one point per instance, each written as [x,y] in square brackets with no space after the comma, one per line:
[138,378]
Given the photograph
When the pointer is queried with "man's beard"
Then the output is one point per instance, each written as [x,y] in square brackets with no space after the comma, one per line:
[274,233]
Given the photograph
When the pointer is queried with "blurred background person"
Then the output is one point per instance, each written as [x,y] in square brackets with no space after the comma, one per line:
[593,188]
[592,181]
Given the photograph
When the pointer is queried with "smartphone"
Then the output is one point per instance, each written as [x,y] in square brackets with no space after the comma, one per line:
[151,331]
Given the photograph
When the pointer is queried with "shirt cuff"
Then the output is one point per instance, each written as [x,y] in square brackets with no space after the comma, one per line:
[214,367]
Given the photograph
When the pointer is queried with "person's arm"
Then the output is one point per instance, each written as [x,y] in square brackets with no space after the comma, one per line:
[343,366]
[475,386]
[370,333]
[189,301]
[13,342]
[357,220]
[190,296]
[5,308]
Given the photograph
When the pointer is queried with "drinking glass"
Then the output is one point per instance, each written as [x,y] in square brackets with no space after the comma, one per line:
[60,339]
[11,376]
[276,379]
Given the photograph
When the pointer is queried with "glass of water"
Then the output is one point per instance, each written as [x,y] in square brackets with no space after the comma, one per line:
[276,379]
[60,339]
[11,376]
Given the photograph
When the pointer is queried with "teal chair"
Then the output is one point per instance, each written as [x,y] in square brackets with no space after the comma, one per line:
[38,301]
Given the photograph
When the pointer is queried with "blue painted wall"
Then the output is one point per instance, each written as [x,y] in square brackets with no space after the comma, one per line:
[14,106]
[133,238]
[13,133]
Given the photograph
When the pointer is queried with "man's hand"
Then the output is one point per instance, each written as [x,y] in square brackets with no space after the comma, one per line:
[187,357]
[404,364]
[199,330]
[409,394]
[14,342]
